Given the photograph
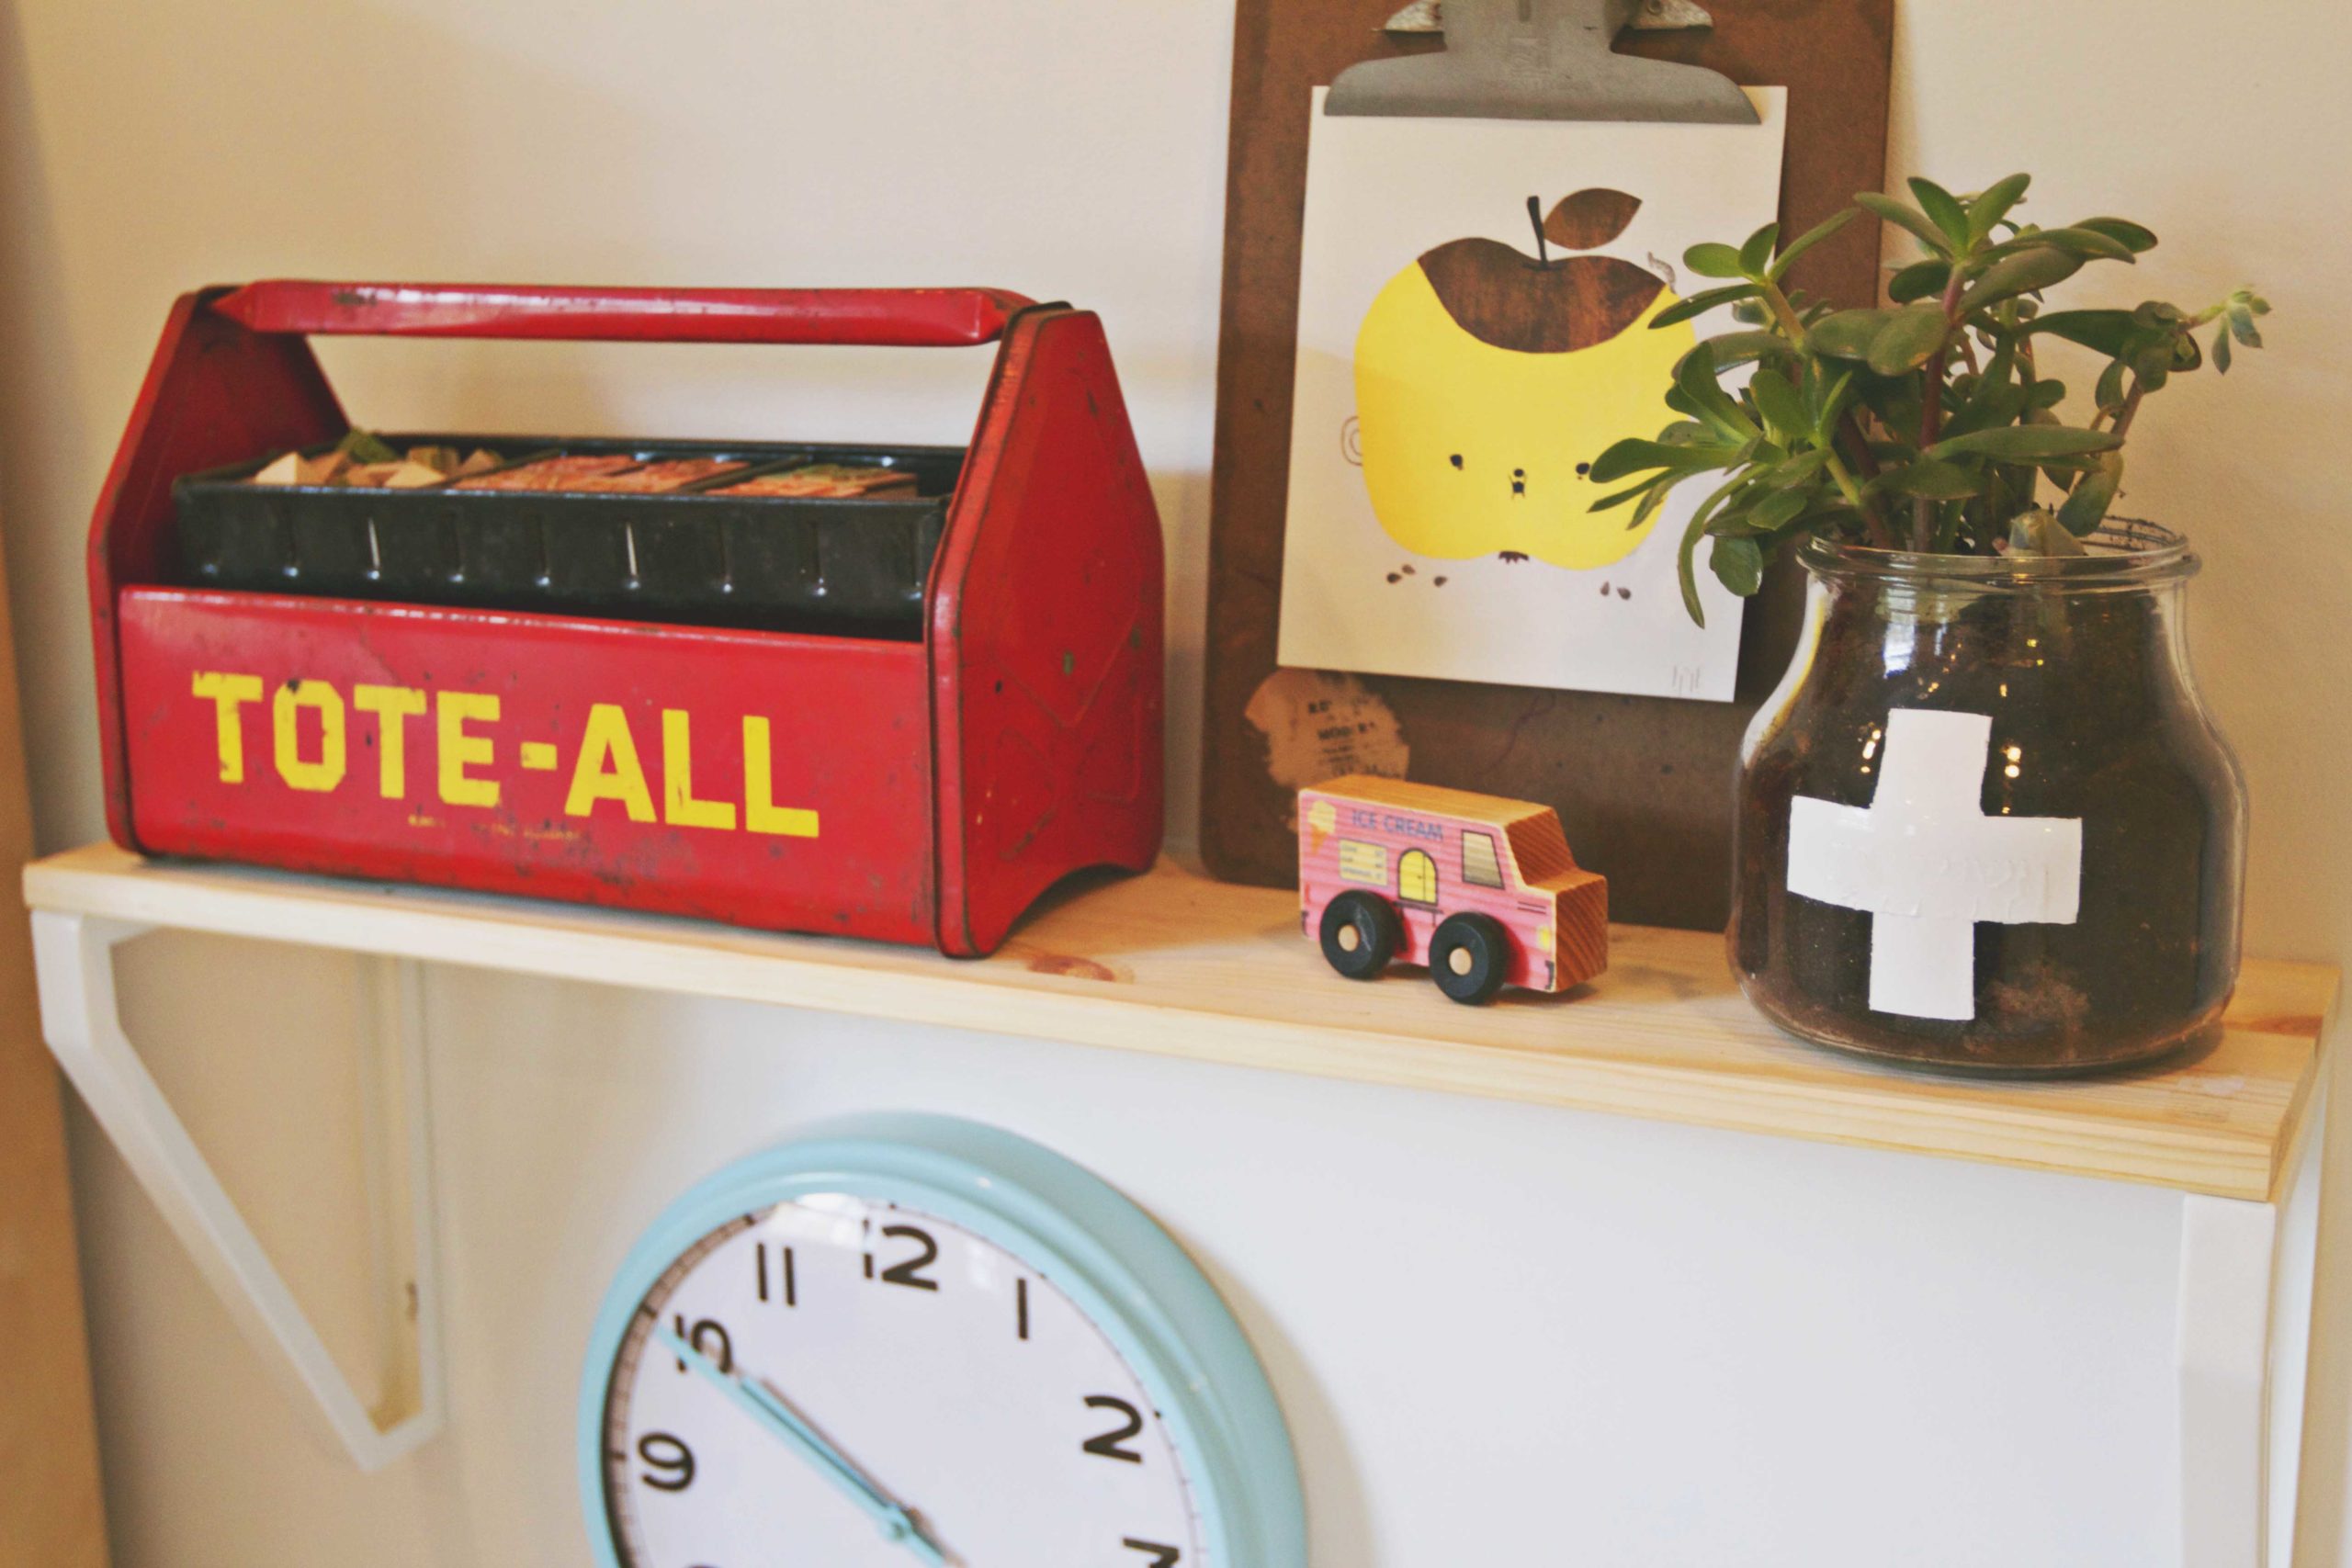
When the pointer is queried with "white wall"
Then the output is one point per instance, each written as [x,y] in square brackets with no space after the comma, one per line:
[2225,130]
[1076,150]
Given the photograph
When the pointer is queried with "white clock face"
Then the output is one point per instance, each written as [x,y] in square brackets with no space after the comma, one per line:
[956,1381]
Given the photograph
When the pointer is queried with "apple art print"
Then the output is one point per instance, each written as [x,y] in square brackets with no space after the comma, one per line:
[1474,301]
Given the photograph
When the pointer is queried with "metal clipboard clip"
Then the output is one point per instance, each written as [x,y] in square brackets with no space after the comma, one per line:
[1541,60]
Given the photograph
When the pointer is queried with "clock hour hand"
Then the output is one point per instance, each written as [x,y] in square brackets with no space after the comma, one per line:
[757,1400]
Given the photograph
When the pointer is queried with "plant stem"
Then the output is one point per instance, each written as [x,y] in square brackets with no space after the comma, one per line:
[1931,409]
[1791,324]
[1858,451]
[2131,408]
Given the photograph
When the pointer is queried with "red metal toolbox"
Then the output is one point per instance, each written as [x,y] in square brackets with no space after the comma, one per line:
[919,791]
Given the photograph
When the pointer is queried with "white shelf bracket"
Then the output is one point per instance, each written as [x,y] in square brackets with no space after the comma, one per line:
[73,957]
[2228,1252]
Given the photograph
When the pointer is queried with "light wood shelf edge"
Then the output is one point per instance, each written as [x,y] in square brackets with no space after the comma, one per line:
[1176,964]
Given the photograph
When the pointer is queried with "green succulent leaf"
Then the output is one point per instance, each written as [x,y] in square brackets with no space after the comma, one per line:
[1634,456]
[1920,280]
[1757,253]
[2123,231]
[2221,350]
[2036,533]
[1713,260]
[1848,334]
[2103,331]
[1911,337]
[2087,504]
[1903,215]
[1695,377]
[1986,211]
[2025,443]
[2242,327]
[1930,477]
[1780,403]
[2027,271]
[1943,209]
[1738,565]
[1743,348]
[1810,238]
[1628,496]
[1698,304]
[2087,243]
[1800,469]
[1777,510]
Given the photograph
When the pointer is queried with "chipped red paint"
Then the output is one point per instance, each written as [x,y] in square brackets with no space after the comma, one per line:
[951,782]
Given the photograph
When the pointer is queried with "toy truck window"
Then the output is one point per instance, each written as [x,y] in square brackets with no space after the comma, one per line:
[1417,877]
[1480,866]
[1367,864]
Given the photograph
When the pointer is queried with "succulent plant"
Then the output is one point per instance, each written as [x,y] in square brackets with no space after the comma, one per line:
[1923,426]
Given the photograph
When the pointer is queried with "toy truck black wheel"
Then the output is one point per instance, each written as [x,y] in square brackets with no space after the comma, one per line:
[1359,934]
[1468,957]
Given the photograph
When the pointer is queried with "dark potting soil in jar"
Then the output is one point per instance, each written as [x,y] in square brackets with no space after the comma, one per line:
[2093,718]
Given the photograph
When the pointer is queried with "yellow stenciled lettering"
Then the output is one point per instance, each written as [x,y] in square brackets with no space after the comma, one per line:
[761,812]
[286,714]
[679,806]
[608,768]
[451,710]
[393,707]
[226,692]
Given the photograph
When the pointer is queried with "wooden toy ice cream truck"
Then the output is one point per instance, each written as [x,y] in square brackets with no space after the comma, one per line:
[1481,889]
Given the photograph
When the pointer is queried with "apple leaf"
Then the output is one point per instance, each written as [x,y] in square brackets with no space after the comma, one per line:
[1589,219]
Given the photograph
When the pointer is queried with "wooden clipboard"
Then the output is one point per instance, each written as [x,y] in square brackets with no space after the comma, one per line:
[1643,785]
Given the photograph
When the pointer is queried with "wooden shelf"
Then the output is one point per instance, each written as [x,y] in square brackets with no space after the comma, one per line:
[1175,964]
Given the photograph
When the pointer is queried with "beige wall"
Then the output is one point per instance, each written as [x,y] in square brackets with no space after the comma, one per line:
[2225,129]
[1077,150]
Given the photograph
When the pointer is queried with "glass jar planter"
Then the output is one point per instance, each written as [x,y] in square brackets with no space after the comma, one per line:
[1984,822]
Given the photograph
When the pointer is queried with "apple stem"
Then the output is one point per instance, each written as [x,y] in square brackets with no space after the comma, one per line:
[1535,217]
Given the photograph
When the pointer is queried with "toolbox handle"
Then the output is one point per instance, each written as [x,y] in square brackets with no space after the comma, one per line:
[921,317]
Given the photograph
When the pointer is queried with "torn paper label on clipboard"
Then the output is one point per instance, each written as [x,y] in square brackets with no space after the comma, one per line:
[1454,386]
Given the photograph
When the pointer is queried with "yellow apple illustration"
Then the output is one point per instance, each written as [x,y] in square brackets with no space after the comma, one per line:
[1487,379]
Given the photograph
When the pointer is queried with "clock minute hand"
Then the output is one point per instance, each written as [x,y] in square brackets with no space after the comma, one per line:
[891,1516]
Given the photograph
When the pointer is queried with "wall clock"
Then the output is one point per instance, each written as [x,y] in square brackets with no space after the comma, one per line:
[914,1339]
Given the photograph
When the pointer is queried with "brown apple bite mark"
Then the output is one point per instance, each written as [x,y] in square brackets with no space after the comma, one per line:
[1504,299]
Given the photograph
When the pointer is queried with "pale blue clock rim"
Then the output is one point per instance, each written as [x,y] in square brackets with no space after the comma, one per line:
[1112,1259]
